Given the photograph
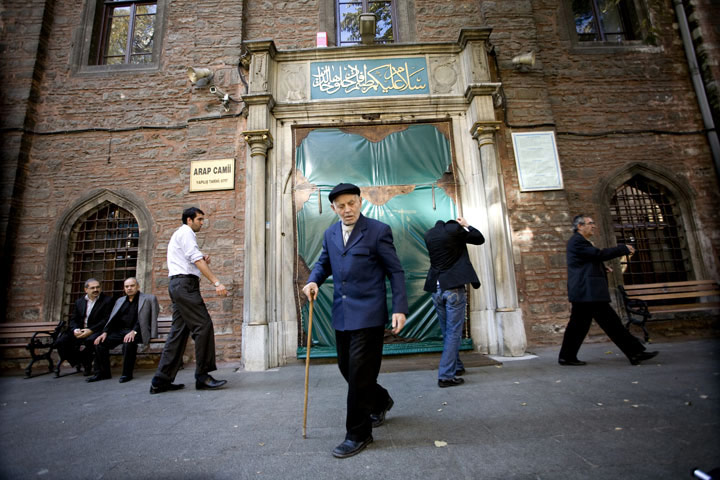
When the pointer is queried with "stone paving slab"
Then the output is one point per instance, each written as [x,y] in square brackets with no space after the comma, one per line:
[527,419]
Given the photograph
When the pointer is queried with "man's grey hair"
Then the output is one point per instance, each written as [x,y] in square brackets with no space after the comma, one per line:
[578,220]
[132,278]
[89,280]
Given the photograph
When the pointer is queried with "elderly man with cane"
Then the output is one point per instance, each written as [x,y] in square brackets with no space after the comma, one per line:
[359,253]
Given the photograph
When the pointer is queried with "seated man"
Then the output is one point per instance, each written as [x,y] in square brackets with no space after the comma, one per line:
[133,320]
[90,315]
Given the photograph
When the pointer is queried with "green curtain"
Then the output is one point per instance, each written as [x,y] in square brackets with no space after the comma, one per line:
[416,157]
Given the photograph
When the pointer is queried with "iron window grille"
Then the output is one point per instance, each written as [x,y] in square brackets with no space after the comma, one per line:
[606,20]
[646,216]
[105,247]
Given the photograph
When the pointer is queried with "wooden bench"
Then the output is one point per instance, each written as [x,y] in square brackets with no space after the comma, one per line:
[643,300]
[36,337]
[39,339]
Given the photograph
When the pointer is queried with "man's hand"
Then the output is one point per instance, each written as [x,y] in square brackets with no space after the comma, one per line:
[311,291]
[129,338]
[462,222]
[83,333]
[398,322]
[101,338]
[221,290]
[631,248]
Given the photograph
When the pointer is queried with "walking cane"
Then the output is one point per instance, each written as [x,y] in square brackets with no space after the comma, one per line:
[307,366]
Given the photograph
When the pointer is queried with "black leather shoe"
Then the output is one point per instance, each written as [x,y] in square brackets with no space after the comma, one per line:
[453,382]
[573,363]
[378,419]
[125,378]
[642,356]
[96,378]
[209,383]
[348,448]
[460,372]
[168,387]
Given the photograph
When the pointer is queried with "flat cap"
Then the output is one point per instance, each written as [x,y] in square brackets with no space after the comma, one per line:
[342,188]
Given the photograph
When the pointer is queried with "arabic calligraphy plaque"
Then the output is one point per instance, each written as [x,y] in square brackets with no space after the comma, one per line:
[369,78]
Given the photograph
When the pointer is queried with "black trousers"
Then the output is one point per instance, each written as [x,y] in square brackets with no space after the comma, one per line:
[359,358]
[76,351]
[577,328]
[103,354]
[190,318]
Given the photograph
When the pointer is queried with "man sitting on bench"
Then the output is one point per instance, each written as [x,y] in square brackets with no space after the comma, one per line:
[90,315]
[133,320]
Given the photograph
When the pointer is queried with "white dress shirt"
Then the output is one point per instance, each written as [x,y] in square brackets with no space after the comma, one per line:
[183,252]
[89,304]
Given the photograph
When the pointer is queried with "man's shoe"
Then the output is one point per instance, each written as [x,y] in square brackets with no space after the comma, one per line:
[453,382]
[167,387]
[96,378]
[573,363]
[348,448]
[125,378]
[88,371]
[460,372]
[378,419]
[209,383]
[642,356]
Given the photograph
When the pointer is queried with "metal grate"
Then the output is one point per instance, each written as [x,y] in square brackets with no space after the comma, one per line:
[105,247]
[645,215]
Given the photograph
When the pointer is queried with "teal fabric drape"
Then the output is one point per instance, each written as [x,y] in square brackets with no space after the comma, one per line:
[415,158]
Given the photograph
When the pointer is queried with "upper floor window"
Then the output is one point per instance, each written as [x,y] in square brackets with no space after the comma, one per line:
[128,32]
[606,20]
[348,18]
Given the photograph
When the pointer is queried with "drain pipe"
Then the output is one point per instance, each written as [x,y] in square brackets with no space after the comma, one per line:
[698,85]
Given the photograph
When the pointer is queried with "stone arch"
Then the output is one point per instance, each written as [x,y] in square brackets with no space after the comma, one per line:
[57,256]
[680,189]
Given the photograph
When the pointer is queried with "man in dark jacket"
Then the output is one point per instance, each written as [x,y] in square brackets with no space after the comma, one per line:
[590,298]
[89,317]
[450,270]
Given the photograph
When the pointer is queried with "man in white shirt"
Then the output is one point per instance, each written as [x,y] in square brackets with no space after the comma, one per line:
[190,315]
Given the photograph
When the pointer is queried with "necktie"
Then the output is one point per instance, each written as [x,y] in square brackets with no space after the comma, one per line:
[346,235]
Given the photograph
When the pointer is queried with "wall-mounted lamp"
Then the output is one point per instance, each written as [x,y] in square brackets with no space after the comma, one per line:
[199,77]
[524,62]
[368,22]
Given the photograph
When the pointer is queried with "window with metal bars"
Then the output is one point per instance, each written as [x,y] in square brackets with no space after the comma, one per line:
[104,246]
[646,216]
[348,20]
[128,32]
[606,20]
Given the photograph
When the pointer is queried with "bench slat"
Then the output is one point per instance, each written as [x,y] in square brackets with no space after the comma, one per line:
[669,296]
[689,307]
[668,284]
[695,288]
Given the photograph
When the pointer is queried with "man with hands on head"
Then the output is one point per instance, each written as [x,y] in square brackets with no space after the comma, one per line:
[359,254]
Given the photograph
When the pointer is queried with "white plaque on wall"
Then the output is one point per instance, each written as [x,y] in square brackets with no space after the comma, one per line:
[537,161]
[208,175]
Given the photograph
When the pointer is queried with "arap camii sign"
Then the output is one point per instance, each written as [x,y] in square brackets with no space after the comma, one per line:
[207,175]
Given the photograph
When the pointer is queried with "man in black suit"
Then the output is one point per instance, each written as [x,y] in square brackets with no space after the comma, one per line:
[450,270]
[590,298]
[89,317]
[133,320]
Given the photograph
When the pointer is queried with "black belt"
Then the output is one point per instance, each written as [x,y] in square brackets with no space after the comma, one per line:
[172,277]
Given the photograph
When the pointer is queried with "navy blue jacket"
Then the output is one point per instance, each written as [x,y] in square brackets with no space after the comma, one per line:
[359,270]
[449,260]
[587,278]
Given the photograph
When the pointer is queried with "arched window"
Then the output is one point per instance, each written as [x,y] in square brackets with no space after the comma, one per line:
[646,215]
[103,245]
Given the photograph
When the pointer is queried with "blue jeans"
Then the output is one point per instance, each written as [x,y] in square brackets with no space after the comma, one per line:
[450,307]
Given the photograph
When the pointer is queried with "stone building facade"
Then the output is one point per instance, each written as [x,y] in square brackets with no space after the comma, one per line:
[79,134]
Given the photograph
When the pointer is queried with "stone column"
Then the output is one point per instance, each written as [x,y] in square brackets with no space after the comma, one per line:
[509,329]
[255,322]
[259,99]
